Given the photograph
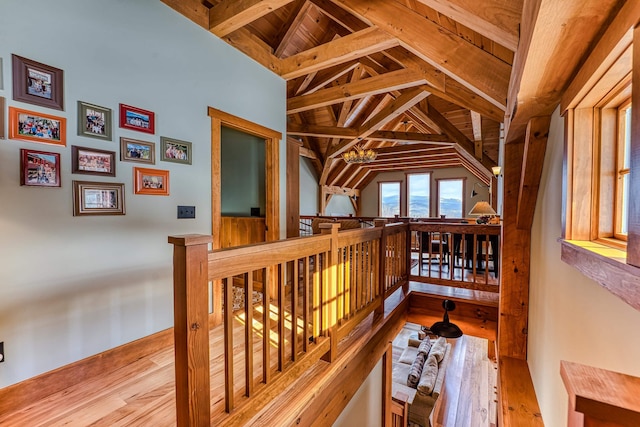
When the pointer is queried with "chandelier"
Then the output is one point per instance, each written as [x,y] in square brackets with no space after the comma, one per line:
[359,154]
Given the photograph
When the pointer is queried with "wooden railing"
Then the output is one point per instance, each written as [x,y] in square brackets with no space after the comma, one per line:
[458,255]
[314,291]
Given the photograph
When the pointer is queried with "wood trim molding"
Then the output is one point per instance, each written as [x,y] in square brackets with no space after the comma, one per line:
[24,393]
[606,266]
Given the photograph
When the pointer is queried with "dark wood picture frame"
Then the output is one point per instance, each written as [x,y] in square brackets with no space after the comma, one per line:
[39,168]
[91,161]
[134,150]
[94,121]
[135,118]
[37,83]
[174,150]
[47,134]
[151,181]
[2,112]
[98,198]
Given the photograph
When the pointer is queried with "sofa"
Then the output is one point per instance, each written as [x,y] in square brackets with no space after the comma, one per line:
[418,376]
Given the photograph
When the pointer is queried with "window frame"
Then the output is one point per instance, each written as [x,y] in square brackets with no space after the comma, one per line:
[408,187]
[462,195]
[400,198]
[622,139]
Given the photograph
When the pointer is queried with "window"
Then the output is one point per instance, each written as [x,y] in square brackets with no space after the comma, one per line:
[389,196]
[450,197]
[418,195]
[622,171]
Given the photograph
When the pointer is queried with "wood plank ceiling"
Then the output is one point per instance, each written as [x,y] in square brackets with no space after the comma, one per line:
[423,82]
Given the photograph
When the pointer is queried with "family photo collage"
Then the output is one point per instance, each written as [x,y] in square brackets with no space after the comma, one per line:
[43,85]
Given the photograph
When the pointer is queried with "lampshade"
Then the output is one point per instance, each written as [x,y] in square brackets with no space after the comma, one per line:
[482,208]
[446,328]
[496,170]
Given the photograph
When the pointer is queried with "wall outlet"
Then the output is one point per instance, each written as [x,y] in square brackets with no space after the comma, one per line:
[1,352]
[186,212]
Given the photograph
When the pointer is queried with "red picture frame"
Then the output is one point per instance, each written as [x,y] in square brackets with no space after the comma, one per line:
[151,181]
[137,119]
[39,168]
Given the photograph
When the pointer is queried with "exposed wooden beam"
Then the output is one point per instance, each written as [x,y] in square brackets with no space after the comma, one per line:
[393,136]
[308,153]
[440,164]
[497,20]
[252,46]
[395,108]
[535,144]
[395,80]
[192,9]
[476,125]
[477,69]
[229,15]
[531,92]
[336,52]
[409,148]
[301,129]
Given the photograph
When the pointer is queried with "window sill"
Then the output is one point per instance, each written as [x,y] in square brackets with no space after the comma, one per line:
[607,266]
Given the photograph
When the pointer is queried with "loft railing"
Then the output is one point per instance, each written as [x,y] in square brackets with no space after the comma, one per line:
[312,292]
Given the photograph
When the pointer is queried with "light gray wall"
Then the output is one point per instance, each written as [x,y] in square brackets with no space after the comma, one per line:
[339,205]
[370,193]
[71,286]
[365,407]
[309,190]
[243,173]
[570,316]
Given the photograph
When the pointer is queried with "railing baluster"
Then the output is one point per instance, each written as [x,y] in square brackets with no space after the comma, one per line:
[266,326]
[281,325]
[248,332]
[305,304]
[228,343]
[294,310]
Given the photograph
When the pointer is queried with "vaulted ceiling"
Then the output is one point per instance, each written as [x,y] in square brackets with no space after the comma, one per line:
[426,83]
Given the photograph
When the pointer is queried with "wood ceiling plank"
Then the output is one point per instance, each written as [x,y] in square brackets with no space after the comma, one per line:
[394,136]
[230,15]
[340,16]
[301,129]
[426,165]
[409,148]
[477,69]
[433,75]
[535,145]
[498,20]
[324,77]
[395,108]
[418,115]
[290,29]
[395,80]
[339,51]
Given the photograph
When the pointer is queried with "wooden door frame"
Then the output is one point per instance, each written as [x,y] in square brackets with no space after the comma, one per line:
[272,173]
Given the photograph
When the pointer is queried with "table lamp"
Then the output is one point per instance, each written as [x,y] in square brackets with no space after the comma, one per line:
[484,211]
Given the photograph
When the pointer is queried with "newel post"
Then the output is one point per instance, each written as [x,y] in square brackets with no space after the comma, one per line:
[330,292]
[382,268]
[191,329]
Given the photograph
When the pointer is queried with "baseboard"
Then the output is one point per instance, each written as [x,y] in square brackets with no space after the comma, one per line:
[19,395]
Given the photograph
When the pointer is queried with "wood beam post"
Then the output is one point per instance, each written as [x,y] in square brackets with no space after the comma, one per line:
[516,249]
[535,145]
[293,188]
[191,329]
[329,294]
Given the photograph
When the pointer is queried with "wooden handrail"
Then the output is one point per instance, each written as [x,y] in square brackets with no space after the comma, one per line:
[315,290]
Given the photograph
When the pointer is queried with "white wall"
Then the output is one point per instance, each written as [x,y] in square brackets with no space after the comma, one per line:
[340,205]
[71,286]
[365,407]
[570,317]
[309,190]
[369,194]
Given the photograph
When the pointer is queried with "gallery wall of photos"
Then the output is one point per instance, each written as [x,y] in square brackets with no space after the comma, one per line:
[43,85]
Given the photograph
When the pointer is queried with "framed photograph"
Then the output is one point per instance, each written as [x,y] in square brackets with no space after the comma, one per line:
[2,128]
[92,161]
[134,150]
[137,119]
[37,127]
[94,121]
[174,150]
[98,198]
[151,181]
[39,168]
[37,83]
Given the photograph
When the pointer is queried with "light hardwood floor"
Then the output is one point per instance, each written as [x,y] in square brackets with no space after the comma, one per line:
[469,396]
